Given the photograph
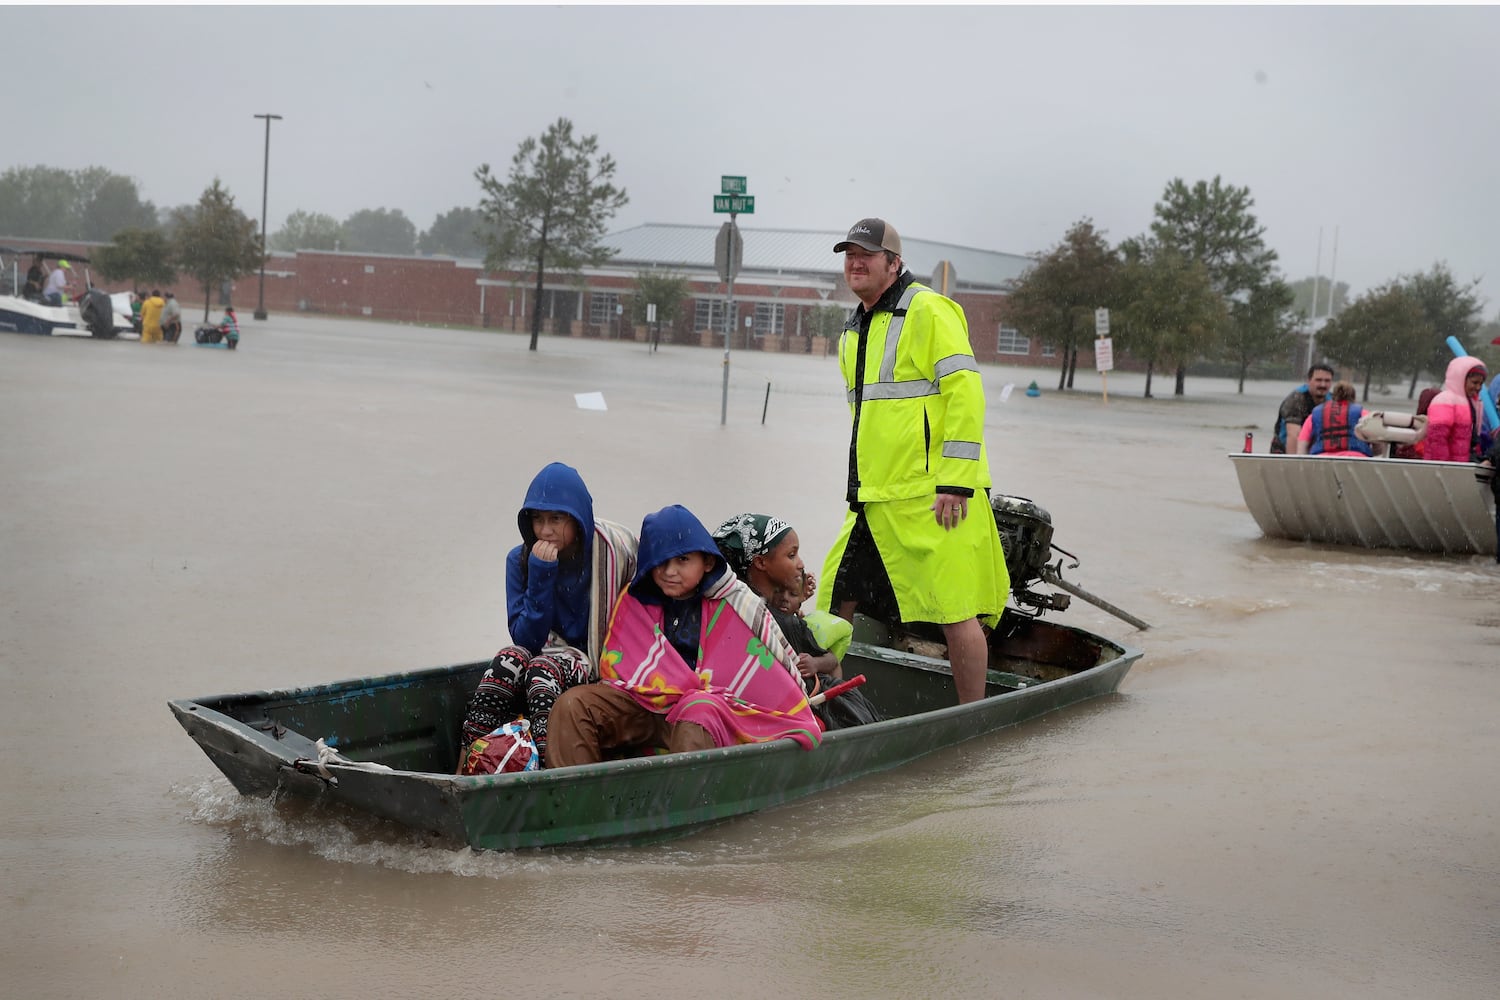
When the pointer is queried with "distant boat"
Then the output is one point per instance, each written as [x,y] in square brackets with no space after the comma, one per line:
[1376,503]
[94,314]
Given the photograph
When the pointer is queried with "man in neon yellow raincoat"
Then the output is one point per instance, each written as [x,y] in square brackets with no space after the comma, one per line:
[919,543]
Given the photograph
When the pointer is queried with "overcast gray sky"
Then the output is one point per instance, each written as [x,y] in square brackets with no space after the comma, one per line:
[993,127]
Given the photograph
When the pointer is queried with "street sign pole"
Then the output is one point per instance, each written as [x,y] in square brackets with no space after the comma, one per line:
[728,323]
[732,200]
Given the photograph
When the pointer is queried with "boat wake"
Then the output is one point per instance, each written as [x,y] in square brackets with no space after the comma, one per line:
[336,834]
[1424,574]
[1237,606]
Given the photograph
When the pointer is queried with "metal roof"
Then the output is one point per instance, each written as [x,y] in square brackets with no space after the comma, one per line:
[796,253]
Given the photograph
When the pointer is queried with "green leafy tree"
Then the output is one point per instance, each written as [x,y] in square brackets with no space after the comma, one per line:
[1302,293]
[668,291]
[169,220]
[1262,325]
[141,256]
[380,230]
[553,210]
[1451,310]
[1212,223]
[1171,309]
[456,232]
[39,201]
[308,231]
[87,204]
[826,321]
[1378,333]
[216,242]
[111,205]
[1055,299]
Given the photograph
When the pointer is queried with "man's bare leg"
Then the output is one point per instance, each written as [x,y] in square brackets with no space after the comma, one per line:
[969,656]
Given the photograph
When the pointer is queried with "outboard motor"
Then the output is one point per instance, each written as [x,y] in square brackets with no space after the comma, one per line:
[1026,534]
[98,312]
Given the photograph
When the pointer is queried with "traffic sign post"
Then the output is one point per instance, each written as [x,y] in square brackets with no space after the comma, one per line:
[729,251]
[1104,349]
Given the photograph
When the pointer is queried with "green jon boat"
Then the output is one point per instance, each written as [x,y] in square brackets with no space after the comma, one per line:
[397,744]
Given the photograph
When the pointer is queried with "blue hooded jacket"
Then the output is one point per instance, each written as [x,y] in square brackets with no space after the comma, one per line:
[545,597]
[671,532]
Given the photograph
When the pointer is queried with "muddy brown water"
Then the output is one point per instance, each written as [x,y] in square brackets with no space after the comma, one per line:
[1293,795]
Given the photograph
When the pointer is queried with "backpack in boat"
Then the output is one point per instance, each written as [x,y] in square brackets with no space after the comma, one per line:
[509,748]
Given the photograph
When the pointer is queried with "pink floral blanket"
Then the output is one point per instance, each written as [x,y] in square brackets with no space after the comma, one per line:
[746,688]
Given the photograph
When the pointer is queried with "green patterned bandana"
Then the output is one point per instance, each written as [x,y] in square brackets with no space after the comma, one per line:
[745,536]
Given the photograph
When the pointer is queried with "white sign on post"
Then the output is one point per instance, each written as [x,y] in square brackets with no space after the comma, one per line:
[650,312]
[1104,354]
[1101,322]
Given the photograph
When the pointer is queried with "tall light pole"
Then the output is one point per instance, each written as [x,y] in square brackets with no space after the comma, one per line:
[265,186]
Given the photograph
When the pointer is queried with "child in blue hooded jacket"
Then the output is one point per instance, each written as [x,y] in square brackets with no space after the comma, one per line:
[566,564]
[693,660]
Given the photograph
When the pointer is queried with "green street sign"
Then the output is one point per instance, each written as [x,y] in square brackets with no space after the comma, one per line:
[731,185]
[740,204]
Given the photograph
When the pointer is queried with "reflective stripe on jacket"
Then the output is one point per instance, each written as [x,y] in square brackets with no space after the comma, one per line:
[917,399]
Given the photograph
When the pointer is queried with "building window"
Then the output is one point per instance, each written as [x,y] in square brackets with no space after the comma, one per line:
[1011,342]
[602,308]
[1048,351]
[708,314]
[770,319]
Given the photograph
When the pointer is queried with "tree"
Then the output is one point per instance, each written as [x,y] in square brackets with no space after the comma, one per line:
[1451,310]
[380,231]
[664,289]
[1055,299]
[39,201]
[216,242]
[141,256]
[88,204]
[1213,224]
[1378,333]
[455,232]
[1172,312]
[169,220]
[1330,303]
[826,321]
[553,210]
[112,204]
[308,231]
[1261,325]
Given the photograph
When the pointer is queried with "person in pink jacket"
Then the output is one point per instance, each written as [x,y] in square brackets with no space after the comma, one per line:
[1453,417]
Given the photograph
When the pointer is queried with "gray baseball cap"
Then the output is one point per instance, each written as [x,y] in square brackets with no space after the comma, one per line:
[873,235]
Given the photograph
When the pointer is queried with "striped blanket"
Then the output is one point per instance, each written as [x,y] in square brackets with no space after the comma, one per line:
[746,688]
[614,566]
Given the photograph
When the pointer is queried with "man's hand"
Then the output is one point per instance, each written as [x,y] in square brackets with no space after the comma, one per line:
[545,551]
[949,509]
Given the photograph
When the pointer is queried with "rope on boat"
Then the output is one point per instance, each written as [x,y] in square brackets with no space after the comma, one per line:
[328,755]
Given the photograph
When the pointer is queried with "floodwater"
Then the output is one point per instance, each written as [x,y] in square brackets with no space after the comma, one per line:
[1293,795]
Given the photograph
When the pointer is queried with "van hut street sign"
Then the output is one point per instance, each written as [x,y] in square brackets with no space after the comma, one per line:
[739,204]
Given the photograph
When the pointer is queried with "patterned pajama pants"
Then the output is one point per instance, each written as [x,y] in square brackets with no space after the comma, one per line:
[518,683]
